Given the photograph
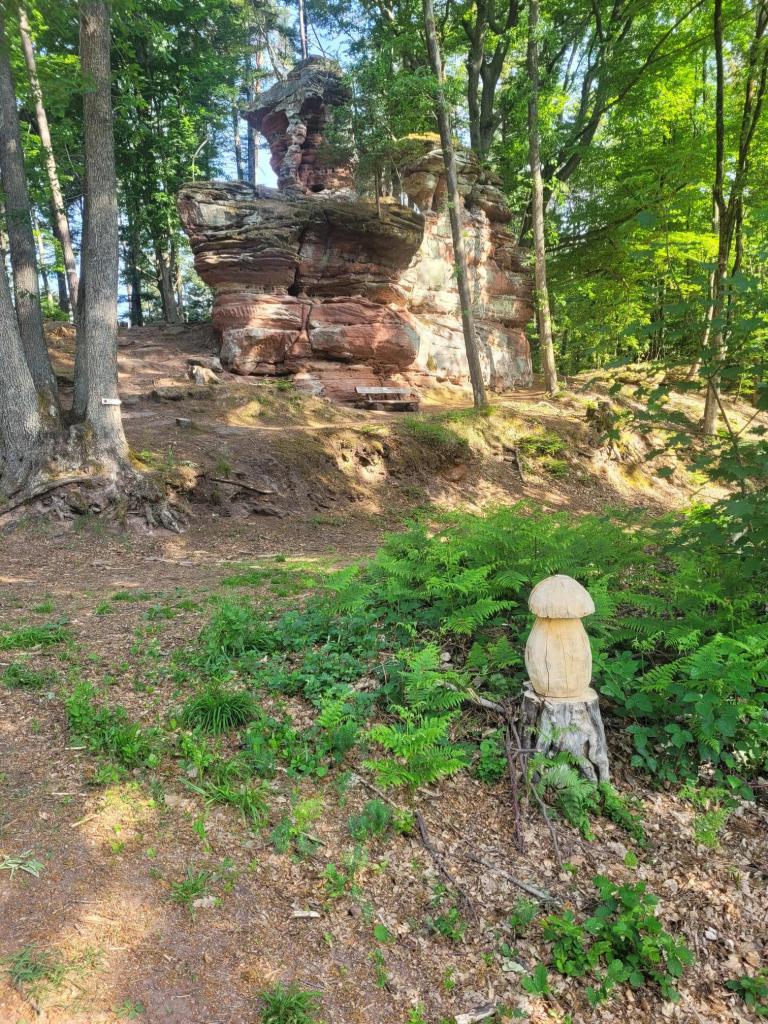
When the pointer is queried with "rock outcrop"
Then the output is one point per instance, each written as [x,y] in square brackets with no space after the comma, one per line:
[312,280]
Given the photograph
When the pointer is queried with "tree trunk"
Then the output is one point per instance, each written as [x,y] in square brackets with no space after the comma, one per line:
[41,262]
[454,210]
[98,329]
[21,239]
[543,313]
[21,427]
[136,313]
[59,209]
[237,140]
[553,725]
[61,283]
[166,286]
[252,90]
[303,30]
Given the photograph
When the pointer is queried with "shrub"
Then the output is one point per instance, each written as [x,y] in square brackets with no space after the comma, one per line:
[622,941]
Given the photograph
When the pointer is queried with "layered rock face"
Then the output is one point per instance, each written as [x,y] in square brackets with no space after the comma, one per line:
[310,279]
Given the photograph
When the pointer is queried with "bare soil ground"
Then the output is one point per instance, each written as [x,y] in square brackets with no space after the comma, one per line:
[110,855]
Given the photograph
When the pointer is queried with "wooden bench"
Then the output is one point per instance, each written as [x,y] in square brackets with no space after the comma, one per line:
[387,399]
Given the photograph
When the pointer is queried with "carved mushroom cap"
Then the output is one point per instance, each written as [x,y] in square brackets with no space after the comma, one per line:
[560,597]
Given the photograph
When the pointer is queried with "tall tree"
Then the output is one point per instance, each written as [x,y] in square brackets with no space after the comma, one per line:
[543,313]
[729,202]
[58,205]
[97,328]
[21,427]
[454,208]
[21,239]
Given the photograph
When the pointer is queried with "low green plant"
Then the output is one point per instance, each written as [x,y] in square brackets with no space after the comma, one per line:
[559,781]
[450,924]
[373,822]
[26,637]
[22,862]
[491,763]
[622,941]
[250,800]
[33,969]
[524,913]
[714,805]
[109,731]
[537,983]
[194,886]
[291,835]
[216,709]
[419,742]
[290,1004]
[21,677]
[753,989]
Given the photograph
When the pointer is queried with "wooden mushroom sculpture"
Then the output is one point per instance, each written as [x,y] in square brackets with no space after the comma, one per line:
[560,710]
[558,656]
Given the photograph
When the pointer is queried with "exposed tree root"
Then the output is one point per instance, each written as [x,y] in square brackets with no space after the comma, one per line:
[67,487]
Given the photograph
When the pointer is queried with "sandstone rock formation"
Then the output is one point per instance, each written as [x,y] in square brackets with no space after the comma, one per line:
[312,280]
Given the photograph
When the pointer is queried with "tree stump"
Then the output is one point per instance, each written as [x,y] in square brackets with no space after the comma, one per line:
[573,725]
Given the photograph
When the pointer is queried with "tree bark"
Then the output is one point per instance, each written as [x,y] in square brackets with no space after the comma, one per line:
[543,313]
[61,282]
[21,239]
[166,286]
[59,208]
[454,210]
[21,426]
[303,30]
[553,725]
[98,328]
[136,313]
[237,140]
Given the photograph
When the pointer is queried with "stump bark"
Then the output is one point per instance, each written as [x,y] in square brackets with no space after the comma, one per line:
[566,724]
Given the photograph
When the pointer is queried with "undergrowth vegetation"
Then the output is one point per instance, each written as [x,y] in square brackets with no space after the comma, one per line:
[302,675]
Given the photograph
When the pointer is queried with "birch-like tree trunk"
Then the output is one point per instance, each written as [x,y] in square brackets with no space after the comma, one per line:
[454,209]
[59,207]
[543,312]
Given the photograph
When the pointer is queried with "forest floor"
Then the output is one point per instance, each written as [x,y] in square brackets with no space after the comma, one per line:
[112,856]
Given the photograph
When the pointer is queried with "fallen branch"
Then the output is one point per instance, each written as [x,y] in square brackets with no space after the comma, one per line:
[438,861]
[240,484]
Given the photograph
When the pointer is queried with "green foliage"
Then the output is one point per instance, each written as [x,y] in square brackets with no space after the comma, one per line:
[559,781]
[373,822]
[524,913]
[109,731]
[537,984]
[193,886]
[33,968]
[290,1004]
[19,676]
[26,637]
[420,742]
[622,941]
[491,763]
[291,835]
[753,990]
[215,709]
